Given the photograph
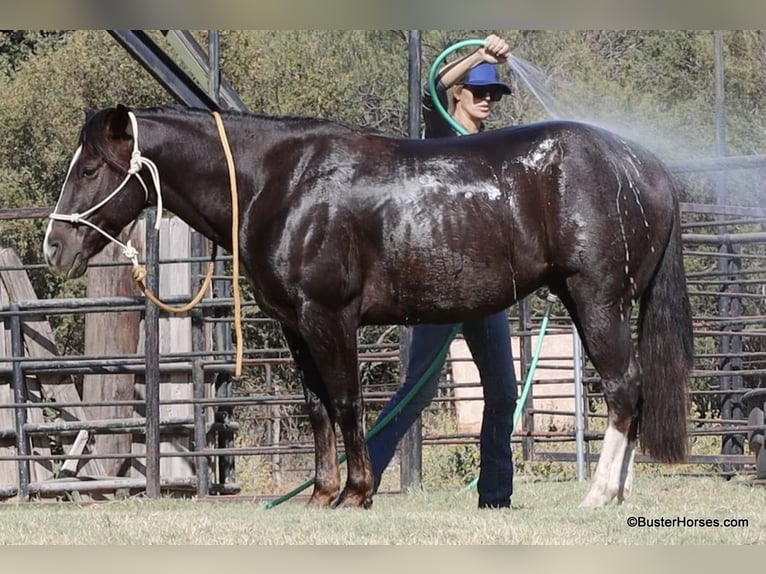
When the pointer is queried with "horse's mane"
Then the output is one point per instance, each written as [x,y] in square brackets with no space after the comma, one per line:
[92,133]
[284,121]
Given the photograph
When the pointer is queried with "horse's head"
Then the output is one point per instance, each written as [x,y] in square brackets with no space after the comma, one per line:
[99,196]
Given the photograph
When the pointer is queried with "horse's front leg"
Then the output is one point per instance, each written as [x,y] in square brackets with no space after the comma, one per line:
[331,337]
[327,479]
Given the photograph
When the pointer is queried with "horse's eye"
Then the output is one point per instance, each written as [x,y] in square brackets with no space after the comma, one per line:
[89,171]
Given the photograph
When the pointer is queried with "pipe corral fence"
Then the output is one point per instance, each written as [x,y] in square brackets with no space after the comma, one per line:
[49,435]
[150,406]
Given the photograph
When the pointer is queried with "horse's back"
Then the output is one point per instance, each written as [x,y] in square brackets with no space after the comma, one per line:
[450,228]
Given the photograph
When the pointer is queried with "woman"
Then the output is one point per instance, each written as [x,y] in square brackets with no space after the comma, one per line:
[468,87]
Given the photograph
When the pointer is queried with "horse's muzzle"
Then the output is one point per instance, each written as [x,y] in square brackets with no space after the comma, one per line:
[75,267]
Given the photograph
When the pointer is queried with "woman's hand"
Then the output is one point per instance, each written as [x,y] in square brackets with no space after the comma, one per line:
[495,50]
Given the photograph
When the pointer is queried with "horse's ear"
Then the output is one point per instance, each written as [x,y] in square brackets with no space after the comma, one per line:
[117,123]
[89,114]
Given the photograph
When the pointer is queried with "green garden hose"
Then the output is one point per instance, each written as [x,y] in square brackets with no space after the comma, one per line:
[432,82]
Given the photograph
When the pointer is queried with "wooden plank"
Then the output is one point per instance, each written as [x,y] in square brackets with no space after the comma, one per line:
[111,334]
[69,468]
[106,486]
[40,445]
[175,336]
[9,470]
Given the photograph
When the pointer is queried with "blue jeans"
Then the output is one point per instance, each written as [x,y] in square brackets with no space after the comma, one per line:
[489,340]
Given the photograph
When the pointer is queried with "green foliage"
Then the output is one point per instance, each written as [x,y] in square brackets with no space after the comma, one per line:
[655,86]
[453,465]
[18,46]
[356,77]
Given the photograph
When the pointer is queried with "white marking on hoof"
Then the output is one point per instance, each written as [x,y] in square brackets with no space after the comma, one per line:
[609,471]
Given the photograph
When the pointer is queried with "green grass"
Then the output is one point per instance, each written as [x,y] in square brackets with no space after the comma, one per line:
[543,513]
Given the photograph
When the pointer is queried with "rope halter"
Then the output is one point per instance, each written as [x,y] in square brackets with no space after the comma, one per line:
[137,162]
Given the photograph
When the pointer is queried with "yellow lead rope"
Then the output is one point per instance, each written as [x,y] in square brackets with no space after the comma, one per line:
[234,241]
[139,271]
[139,274]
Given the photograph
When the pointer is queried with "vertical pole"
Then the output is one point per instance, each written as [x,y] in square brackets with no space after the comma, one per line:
[152,357]
[720,111]
[581,467]
[411,445]
[728,305]
[411,449]
[201,465]
[223,334]
[525,361]
[20,398]
[414,46]
[275,430]
[199,345]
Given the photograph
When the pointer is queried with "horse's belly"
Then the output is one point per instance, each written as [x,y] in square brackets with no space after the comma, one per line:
[442,288]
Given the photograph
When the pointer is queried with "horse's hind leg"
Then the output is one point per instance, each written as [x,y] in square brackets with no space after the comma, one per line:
[614,472]
[327,480]
[605,328]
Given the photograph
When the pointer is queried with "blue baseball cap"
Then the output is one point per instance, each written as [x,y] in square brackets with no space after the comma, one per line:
[485,74]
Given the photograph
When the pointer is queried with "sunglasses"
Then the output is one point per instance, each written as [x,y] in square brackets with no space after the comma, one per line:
[480,92]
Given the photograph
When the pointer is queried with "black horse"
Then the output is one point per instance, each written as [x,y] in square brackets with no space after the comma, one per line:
[341,227]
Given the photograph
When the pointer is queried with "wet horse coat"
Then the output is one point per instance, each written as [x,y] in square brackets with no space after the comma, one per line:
[341,227]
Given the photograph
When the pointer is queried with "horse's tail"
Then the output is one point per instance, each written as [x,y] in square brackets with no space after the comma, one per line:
[666,351]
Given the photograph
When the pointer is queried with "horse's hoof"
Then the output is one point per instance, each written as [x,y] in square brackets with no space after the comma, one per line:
[594,501]
[353,500]
[319,501]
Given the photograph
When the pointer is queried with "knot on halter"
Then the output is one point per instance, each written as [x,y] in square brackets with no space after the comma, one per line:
[130,252]
[135,162]
[73,218]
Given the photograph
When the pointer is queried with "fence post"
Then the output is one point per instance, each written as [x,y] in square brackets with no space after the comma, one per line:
[411,451]
[201,464]
[152,357]
[411,471]
[20,398]
[729,305]
[525,359]
[197,248]
[580,446]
